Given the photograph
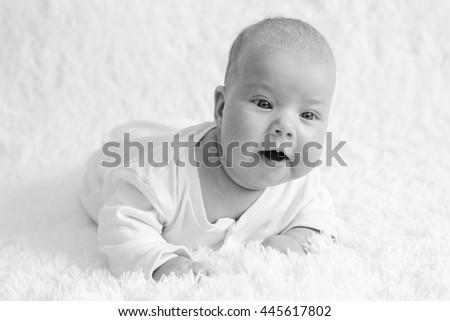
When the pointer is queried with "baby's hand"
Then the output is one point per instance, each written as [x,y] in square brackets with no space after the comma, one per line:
[283,243]
[180,265]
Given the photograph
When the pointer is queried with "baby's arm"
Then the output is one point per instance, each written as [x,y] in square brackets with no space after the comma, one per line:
[129,233]
[317,215]
[292,239]
[180,265]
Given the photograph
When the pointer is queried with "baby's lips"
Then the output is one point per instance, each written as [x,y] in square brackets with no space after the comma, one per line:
[287,151]
[290,152]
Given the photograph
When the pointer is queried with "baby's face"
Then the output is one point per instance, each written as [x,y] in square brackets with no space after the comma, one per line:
[278,95]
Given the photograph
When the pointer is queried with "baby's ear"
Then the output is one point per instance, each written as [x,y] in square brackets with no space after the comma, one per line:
[219,103]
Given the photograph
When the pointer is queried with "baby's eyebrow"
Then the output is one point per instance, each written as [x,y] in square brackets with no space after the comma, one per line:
[259,86]
[313,101]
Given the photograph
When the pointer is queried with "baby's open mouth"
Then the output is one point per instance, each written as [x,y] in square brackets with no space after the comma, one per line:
[274,155]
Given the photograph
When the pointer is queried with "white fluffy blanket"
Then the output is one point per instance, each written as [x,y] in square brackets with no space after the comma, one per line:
[71,70]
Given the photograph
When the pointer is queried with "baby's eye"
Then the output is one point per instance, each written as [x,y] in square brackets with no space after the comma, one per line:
[308,115]
[264,104]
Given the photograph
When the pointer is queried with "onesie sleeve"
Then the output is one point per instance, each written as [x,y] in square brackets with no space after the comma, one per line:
[318,211]
[129,233]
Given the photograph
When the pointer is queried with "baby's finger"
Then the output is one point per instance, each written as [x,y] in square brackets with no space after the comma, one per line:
[198,268]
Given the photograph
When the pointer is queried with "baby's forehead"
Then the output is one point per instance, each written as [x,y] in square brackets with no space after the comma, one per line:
[268,54]
[267,64]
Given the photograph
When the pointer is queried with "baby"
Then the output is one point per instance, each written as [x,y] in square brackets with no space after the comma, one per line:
[256,178]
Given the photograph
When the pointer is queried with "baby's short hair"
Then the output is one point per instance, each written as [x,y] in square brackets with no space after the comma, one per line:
[280,32]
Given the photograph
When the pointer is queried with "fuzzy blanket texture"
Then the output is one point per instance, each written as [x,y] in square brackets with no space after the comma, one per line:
[71,70]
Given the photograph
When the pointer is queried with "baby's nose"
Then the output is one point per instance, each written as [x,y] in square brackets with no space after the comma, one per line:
[282,128]
[281,132]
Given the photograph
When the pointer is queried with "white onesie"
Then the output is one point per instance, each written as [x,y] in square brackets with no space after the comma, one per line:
[148,215]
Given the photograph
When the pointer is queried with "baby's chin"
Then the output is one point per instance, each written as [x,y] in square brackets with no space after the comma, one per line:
[290,174]
[264,179]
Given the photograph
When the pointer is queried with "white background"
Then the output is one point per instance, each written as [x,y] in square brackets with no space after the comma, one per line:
[71,70]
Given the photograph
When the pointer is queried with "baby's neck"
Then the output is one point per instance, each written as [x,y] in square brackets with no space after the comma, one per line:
[222,197]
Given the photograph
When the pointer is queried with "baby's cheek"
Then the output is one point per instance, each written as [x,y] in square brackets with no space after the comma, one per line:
[312,153]
[313,147]
[306,159]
